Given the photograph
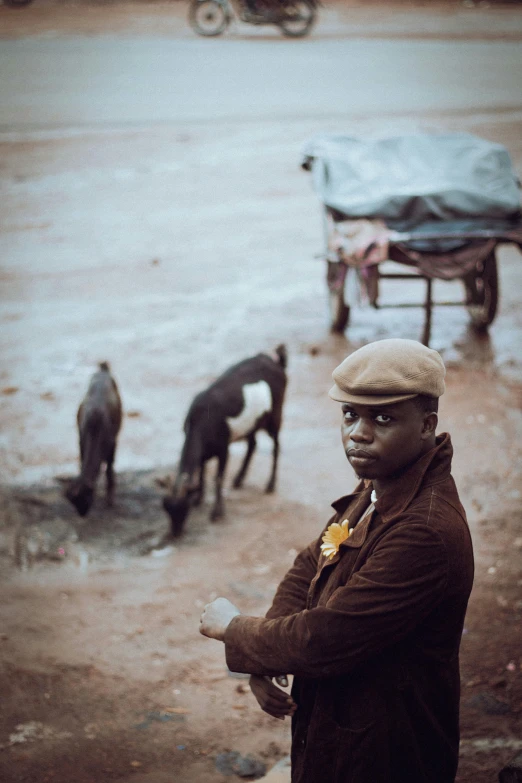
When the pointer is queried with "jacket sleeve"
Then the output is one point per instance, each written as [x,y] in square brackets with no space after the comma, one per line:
[292,592]
[404,578]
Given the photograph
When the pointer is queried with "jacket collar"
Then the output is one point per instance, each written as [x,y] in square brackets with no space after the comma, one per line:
[352,507]
[432,467]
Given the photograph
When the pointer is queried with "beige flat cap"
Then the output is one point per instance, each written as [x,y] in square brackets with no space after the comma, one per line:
[388,371]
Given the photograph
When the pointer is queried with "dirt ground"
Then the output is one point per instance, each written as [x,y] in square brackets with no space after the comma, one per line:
[103,674]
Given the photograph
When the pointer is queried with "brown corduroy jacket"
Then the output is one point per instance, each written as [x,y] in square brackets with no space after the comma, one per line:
[372,636]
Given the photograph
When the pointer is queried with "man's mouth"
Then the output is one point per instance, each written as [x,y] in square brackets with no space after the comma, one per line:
[360,457]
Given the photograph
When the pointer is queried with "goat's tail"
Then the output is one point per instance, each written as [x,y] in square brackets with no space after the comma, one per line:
[105,366]
[282,353]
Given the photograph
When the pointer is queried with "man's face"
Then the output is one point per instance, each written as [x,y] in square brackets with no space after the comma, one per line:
[380,441]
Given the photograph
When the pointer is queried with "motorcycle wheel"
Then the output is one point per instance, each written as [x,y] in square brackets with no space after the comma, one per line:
[300,18]
[17,3]
[208,17]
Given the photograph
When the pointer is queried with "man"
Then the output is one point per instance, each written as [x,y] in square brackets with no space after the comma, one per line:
[370,616]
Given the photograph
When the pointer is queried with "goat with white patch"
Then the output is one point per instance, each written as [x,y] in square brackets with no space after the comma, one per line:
[246,398]
[99,421]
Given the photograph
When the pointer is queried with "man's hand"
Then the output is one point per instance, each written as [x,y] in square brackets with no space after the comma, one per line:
[216,617]
[271,699]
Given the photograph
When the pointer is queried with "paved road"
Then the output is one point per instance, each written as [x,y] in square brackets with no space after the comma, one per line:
[145,80]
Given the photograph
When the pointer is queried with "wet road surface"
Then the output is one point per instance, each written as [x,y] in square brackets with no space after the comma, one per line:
[155,215]
[119,82]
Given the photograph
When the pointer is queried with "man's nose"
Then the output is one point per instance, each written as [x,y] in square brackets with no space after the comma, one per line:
[362,432]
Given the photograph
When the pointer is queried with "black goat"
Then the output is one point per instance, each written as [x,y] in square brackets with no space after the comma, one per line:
[246,398]
[99,421]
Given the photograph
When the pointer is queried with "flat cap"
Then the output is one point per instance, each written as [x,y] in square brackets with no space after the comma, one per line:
[388,371]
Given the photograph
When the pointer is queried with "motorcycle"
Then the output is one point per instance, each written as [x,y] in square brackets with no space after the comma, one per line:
[294,18]
[17,3]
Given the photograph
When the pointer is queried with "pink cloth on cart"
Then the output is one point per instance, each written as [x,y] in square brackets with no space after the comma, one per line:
[360,242]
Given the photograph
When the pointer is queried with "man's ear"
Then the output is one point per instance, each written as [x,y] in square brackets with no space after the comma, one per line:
[429,425]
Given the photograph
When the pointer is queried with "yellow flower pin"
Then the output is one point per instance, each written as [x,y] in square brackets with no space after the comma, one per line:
[334,536]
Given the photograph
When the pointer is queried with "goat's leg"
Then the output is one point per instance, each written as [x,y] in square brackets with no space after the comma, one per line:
[81,434]
[82,449]
[218,510]
[238,481]
[270,487]
[110,475]
[200,492]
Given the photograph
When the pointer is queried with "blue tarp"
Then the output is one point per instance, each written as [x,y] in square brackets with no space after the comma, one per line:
[408,181]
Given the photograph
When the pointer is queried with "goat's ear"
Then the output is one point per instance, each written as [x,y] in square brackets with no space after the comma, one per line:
[282,354]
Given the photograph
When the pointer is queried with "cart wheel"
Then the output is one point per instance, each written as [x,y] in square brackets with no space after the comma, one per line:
[339,313]
[339,310]
[482,292]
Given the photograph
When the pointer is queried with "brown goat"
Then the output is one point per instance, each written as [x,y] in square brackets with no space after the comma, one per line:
[99,421]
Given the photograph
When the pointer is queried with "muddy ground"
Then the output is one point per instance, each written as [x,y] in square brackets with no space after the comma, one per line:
[103,671]
[103,674]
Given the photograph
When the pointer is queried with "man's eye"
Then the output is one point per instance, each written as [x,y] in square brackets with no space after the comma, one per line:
[382,418]
[350,415]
